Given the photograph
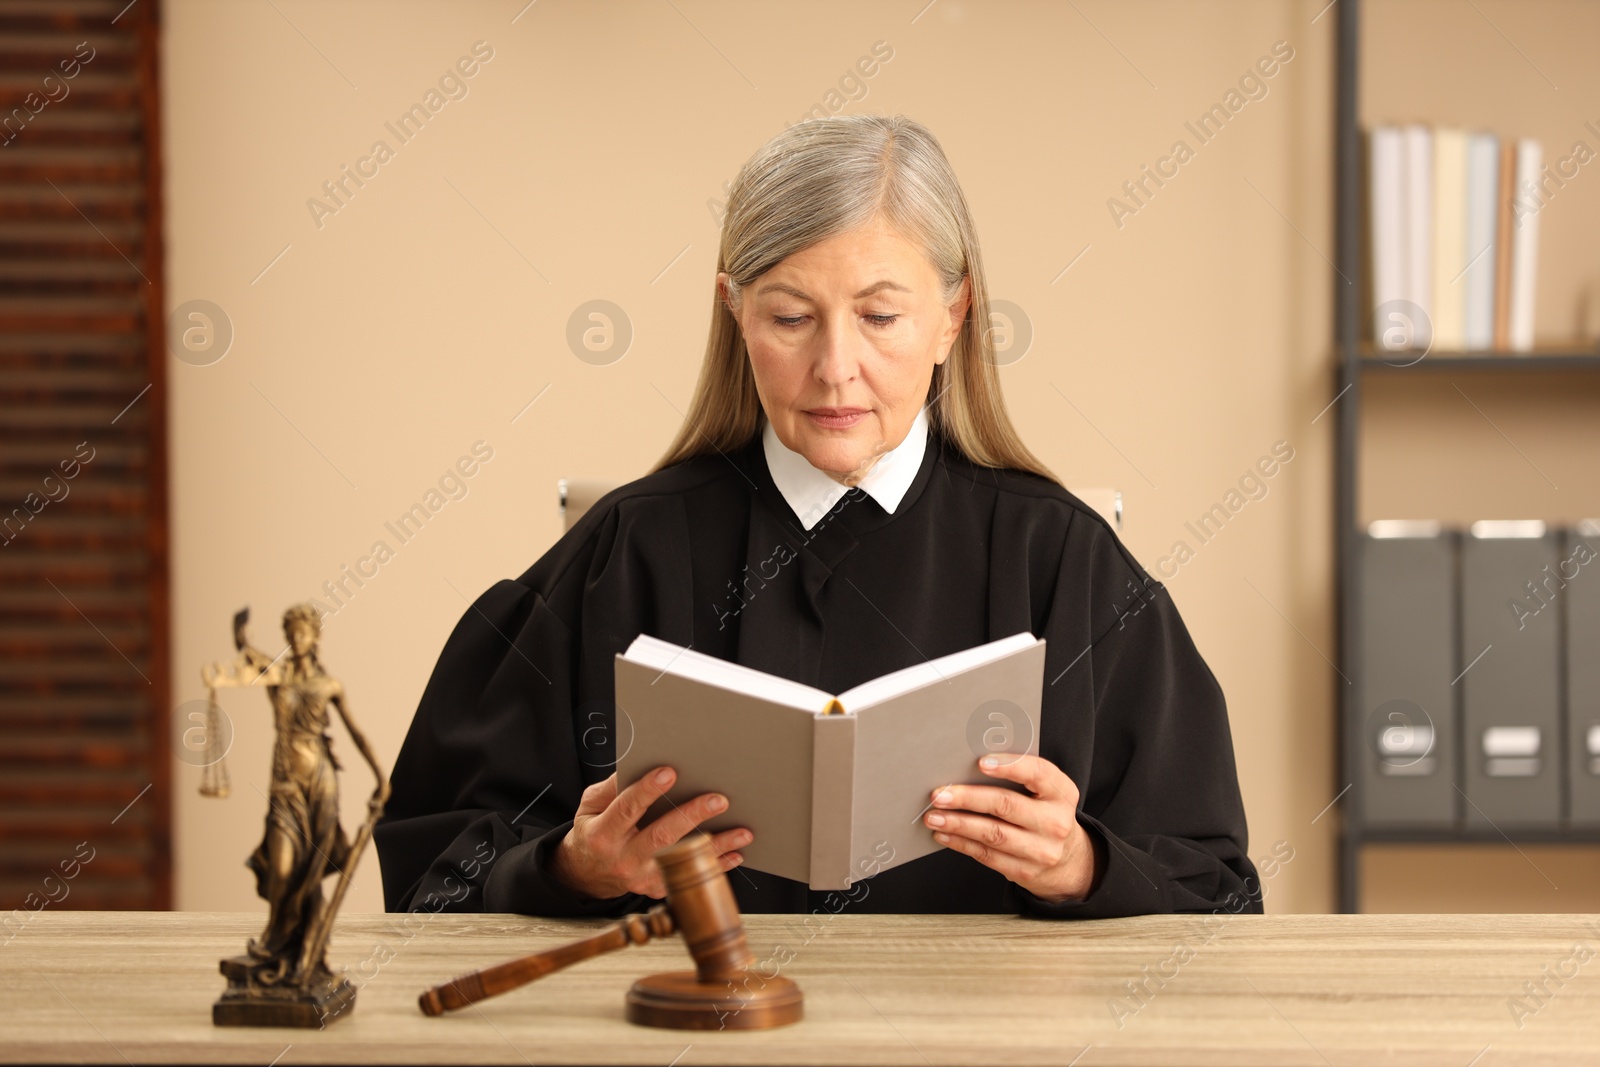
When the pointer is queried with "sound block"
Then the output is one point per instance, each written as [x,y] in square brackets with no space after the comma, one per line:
[247,1002]
[678,1000]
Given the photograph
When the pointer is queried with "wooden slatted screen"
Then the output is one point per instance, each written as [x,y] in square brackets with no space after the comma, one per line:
[85,735]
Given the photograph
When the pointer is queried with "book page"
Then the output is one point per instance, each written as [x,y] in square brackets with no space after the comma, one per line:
[910,745]
[697,666]
[756,753]
[895,683]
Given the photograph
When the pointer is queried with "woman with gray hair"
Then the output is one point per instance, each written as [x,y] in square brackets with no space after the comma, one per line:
[846,497]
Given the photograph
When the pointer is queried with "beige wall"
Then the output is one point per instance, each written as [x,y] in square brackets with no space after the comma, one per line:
[432,308]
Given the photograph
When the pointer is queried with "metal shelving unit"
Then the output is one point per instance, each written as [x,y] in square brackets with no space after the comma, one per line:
[1357,361]
[1483,362]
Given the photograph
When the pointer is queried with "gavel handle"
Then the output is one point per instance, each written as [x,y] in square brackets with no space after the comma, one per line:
[470,988]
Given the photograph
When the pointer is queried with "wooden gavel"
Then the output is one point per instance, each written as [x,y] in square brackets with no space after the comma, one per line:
[701,907]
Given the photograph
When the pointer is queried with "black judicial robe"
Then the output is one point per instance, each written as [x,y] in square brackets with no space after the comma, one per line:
[518,716]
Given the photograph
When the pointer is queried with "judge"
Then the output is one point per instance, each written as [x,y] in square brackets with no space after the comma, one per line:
[846,497]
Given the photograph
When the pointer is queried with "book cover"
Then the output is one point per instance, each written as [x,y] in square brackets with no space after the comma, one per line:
[833,787]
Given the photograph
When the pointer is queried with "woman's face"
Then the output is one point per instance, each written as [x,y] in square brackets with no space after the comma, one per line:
[301,637]
[843,338]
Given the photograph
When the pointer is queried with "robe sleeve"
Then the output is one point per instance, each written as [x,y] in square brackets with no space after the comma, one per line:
[1159,787]
[491,771]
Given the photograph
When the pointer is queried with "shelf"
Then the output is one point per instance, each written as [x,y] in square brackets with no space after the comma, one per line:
[1474,836]
[1526,378]
[1572,359]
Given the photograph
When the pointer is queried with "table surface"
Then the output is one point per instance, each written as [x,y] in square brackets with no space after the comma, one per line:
[137,987]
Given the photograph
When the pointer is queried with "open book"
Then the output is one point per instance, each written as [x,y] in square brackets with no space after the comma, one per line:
[833,788]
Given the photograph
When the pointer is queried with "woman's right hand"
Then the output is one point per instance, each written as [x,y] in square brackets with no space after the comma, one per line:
[606,854]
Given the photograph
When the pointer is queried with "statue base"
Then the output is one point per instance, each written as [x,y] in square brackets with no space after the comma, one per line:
[247,1002]
[678,1000]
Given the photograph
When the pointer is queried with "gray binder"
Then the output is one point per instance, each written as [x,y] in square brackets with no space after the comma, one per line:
[1580,570]
[1408,747]
[1510,645]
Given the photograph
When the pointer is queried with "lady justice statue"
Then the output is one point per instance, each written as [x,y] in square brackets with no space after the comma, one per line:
[283,979]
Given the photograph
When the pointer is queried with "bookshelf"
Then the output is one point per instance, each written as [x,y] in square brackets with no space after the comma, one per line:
[1361,369]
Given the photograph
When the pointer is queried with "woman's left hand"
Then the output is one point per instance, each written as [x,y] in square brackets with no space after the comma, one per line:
[1035,841]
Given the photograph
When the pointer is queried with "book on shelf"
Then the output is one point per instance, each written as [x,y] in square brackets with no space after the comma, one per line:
[1386,210]
[1524,247]
[831,786]
[1480,234]
[1450,252]
[1417,233]
[1453,238]
[1505,236]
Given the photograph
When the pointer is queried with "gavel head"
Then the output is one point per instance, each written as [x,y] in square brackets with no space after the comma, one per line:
[703,908]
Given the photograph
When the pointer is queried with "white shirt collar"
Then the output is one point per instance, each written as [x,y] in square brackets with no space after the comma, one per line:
[812,493]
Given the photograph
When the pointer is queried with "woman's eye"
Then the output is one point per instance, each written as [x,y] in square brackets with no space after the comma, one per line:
[792,321]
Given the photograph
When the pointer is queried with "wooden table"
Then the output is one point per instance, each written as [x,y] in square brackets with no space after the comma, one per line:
[137,987]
